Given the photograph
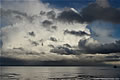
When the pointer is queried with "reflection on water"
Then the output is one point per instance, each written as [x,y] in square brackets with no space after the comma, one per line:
[10,76]
[60,73]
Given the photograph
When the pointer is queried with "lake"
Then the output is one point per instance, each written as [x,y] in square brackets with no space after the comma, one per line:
[59,73]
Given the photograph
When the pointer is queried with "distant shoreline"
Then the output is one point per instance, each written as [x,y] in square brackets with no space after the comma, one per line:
[49,66]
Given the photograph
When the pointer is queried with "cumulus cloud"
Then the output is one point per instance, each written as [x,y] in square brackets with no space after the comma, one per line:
[92,46]
[69,15]
[95,12]
[51,14]
[101,10]
[47,23]
[36,33]
[31,7]
[39,34]
[62,50]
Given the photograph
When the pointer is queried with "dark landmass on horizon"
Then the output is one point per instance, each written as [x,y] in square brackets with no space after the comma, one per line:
[19,62]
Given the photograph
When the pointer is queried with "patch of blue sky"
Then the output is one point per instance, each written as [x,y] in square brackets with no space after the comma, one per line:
[115,3]
[77,4]
[105,26]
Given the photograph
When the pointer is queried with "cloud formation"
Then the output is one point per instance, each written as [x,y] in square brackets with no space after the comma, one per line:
[103,3]
[47,23]
[76,33]
[37,35]
[51,14]
[101,10]
[104,32]
[92,46]
[69,15]
[48,35]
[95,12]
[16,16]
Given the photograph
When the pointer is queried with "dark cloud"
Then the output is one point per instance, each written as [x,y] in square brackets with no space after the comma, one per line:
[67,45]
[69,16]
[112,58]
[1,43]
[66,49]
[31,34]
[34,43]
[95,12]
[47,23]
[54,27]
[52,46]
[7,61]
[91,13]
[10,61]
[19,48]
[51,14]
[76,33]
[53,39]
[62,50]
[99,48]
[42,13]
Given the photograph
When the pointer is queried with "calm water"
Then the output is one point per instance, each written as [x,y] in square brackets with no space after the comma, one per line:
[60,73]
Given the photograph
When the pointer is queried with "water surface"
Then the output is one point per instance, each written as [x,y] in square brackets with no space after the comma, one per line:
[60,73]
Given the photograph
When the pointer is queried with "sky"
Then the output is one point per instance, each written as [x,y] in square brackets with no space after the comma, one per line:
[60,32]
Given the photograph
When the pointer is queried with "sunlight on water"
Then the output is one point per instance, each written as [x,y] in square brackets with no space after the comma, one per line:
[60,73]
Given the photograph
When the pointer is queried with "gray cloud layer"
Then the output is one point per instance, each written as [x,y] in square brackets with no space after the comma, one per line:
[95,12]
[89,47]
[99,48]
[91,13]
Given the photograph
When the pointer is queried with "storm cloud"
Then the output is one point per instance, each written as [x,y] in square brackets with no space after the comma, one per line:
[93,12]
[90,46]
[47,23]
[70,16]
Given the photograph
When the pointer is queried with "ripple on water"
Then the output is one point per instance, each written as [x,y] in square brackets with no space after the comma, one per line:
[10,76]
